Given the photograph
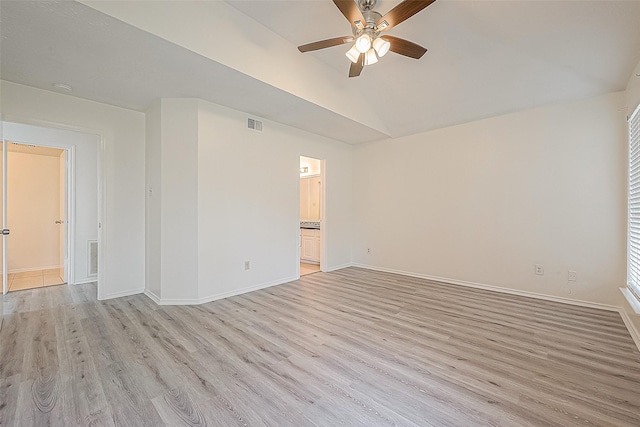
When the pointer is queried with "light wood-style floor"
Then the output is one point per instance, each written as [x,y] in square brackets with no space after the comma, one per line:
[348,348]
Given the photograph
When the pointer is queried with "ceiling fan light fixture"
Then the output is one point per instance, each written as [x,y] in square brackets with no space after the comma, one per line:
[367,25]
[363,43]
[353,54]
[381,46]
[371,57]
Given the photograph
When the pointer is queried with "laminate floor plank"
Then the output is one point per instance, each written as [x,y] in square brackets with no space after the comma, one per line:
[353,347]
[9,391]
[130,402]
[13,343]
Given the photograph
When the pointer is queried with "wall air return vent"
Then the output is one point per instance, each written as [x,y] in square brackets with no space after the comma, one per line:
[254,124]
[92,253]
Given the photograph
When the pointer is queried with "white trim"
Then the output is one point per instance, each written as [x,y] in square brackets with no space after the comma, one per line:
[340,267]
[196,301]
[26,270]
[70,220]
[494,288]
[5,266]
[323,215]
[635,335]
[631,299]
[633,115]
[153,296]
[122,294]
[83,282]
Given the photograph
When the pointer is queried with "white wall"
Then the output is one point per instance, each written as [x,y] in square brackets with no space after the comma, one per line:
[248,200]
[33,196]
[172,205]
[122,134]
[224,194]
[485,201]
[153,207]
[633,90]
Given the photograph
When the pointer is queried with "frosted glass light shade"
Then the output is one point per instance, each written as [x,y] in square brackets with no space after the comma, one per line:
[353,54]
[371,57]
[363,43]
[381,46]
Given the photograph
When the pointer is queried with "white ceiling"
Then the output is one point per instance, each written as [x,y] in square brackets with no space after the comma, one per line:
[485,58]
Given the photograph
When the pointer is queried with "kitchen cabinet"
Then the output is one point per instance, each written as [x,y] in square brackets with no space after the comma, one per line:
[310,245]
[310,198]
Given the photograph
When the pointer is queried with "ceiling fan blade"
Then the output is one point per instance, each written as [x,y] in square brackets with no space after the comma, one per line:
[351,11]
[356,68]
[405,47]
[402,12]
[322,44]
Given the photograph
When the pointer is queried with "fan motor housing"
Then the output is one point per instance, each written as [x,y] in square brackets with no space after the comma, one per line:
[371,17]
[367,4]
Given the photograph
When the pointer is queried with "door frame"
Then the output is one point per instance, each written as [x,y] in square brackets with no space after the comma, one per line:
[323,214]
[69,190]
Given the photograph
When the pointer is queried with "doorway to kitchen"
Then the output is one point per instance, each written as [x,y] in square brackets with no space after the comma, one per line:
[311,215]
[37,203]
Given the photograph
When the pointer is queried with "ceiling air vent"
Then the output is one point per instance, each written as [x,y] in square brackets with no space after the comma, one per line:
[254,124]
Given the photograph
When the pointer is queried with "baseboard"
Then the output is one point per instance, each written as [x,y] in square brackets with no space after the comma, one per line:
[635,335]
[91,278]
[85,281]
[339,267]
[203,300]
[26,270]
[631,300]
[121,294]
[155,298]
[494,288]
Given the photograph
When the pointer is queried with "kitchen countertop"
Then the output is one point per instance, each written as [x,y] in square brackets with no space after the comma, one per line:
[310,225]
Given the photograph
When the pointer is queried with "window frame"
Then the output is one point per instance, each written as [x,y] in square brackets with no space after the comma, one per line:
[633,189]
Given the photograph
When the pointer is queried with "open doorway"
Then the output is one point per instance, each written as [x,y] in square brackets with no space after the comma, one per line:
[36,200]
[78,225]
[311,208]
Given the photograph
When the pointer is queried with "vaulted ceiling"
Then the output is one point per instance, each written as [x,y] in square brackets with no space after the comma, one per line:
[485,58]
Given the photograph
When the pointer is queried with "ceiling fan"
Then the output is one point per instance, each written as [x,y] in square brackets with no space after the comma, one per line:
[367,26]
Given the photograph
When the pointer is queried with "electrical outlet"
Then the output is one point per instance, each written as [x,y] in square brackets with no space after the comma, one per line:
[573,275]
[368,250]
[247,265]
[539,269]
